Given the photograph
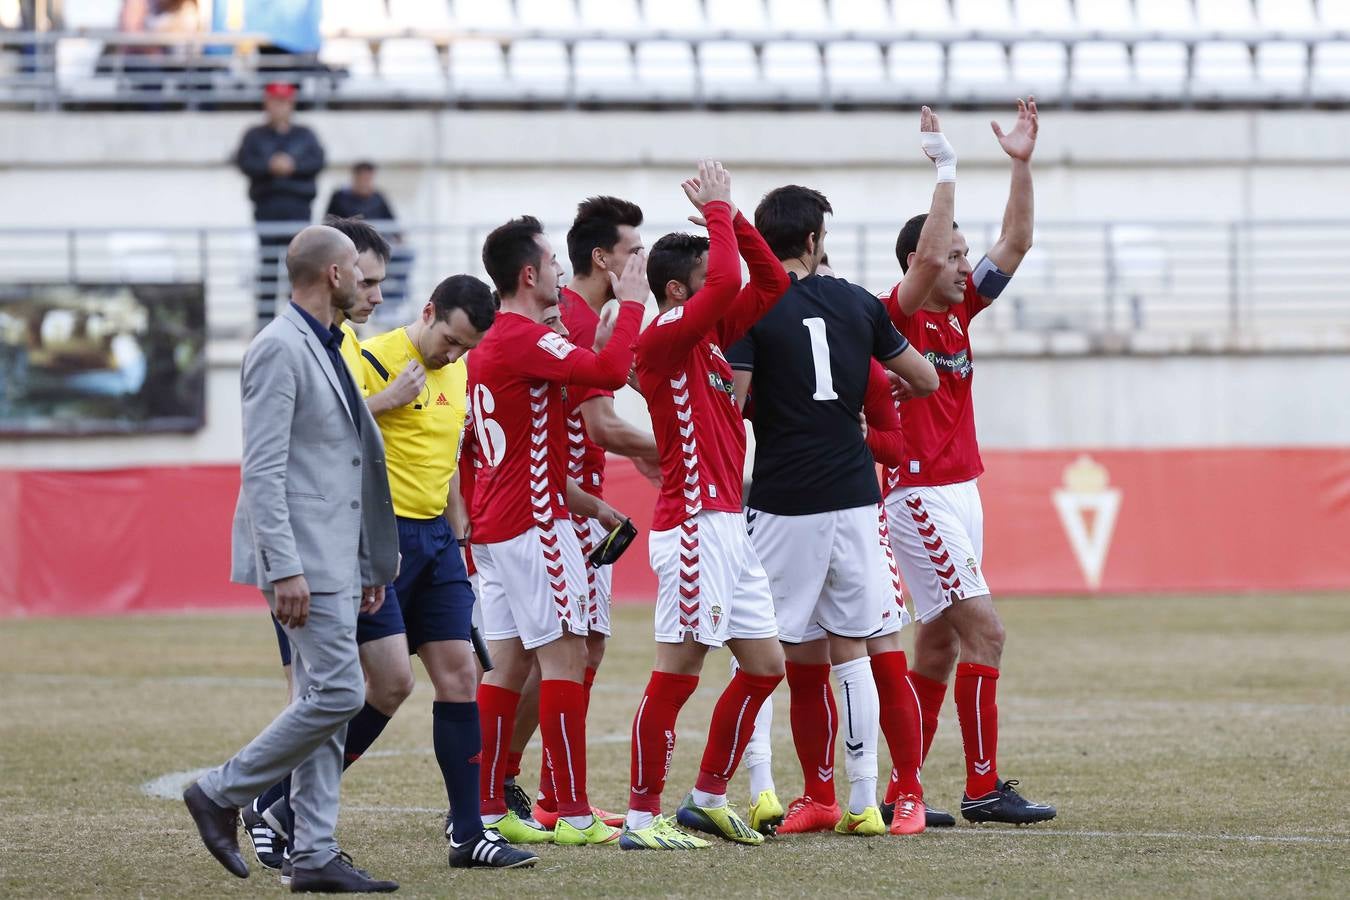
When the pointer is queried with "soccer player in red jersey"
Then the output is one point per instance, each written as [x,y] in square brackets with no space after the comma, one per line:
[530,568]
[933,504]
[603,237]
[712,589]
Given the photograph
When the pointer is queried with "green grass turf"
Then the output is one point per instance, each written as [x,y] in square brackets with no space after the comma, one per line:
[1194,747]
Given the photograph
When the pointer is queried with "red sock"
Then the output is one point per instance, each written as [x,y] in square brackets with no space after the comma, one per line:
[513,760]
[733,721]
[654,737]
[978,712]
[562,722]
[548,798]
[815,724]
[931,694]
[899,723]
[497,715]
[588,680]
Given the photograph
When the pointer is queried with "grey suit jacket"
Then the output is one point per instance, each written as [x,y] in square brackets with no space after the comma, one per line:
[314,496]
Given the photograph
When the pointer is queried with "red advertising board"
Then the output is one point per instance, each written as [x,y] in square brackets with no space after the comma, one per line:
[1057,522]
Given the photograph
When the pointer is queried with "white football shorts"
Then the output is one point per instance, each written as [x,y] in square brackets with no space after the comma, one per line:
[937,534]
[533,586]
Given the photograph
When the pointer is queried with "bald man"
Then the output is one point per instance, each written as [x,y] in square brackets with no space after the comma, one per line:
[314,530]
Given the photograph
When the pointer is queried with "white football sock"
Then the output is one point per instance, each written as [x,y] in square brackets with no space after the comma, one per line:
[860,721]
[759,752]
[637,819]
[709,801]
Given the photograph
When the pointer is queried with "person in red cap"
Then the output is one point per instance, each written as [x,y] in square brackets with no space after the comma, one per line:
[282,161]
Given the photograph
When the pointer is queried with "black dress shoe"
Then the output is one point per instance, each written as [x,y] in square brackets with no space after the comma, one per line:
[218,826]
[338,877]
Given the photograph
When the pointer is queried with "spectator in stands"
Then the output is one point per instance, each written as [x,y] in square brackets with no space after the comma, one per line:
[363,200]
[282,161]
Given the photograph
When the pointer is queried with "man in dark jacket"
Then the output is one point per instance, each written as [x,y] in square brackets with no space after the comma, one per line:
[281,161]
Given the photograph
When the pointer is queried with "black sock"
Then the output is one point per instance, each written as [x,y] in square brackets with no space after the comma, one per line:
[273,794]
[457,737]
[362,731]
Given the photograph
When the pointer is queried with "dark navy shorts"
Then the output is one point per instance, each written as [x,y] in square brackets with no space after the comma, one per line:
[432,589]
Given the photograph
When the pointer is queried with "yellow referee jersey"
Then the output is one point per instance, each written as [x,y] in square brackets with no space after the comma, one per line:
[421,440]
[351,352]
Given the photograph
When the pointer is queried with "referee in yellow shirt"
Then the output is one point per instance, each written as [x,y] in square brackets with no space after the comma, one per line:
[421,440]
[379,635]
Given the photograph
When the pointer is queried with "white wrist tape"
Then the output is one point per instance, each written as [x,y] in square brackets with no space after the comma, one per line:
[941,152]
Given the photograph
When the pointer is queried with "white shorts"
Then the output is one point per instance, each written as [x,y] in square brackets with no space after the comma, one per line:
[828,571]
[477,619]
[894,616]
[598,581]
[709,582]
[938,537]
[533,586]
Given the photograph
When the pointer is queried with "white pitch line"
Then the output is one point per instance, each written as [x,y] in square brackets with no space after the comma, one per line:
[1036,830]
[170,786]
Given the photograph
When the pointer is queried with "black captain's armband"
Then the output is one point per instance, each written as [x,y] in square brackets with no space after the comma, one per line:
[989,279]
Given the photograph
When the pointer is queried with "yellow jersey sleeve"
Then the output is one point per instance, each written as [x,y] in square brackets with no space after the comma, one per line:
[351,353]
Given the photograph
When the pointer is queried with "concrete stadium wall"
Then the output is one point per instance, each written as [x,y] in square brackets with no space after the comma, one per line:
[476,167]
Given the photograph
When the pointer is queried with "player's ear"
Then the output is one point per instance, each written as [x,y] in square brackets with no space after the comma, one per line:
[909,260]
[676,291]
[598,259]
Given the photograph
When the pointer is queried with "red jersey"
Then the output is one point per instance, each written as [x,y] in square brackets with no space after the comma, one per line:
[516,378]
[939,430]
[687,380]
[884,437]
[585,458]
[467,470]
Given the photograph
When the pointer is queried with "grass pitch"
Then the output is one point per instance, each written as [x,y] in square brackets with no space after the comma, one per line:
[1195,747]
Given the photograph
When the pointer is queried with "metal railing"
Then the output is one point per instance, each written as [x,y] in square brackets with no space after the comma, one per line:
[896,68]
[1229,280]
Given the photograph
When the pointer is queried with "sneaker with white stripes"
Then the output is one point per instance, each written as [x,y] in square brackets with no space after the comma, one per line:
[489,851]
[267,844]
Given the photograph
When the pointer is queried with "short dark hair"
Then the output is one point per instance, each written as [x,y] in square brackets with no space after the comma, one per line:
[510,248]
[362,233]
[467,293]
[597,225]
[788,215]
[673,258]
[908,241]
[364,165]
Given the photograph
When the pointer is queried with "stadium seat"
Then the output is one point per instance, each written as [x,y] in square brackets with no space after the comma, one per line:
[1223,69]
[1160,68]
[76,61]
[354,57]
[676,16]
[1165,15]
[861,16]
[729,71]
[1101,69]
[1105,15]
[736,15]
[976,69]
[478,71]
[1331,70]
[485,15]
[667,71]
[611,16]
[1040,68]
[603,70]
[1225,16]
[1275,16]
[856,72]
[916,69]
[1282,67]
[924,16]
[1044,15]
[983,15]
[420,15]
[1334,13]
[412,67]
[799,17]
[547,15]
[539,69]
[792,70]
[354,17]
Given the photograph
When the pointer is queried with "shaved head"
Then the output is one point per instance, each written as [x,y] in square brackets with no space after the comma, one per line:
[313,251]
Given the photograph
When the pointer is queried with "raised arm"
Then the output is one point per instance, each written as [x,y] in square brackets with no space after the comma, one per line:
[1019,215]
[768,283]
[935,240]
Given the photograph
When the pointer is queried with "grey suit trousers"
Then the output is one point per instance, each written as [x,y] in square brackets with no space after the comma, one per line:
[306,739]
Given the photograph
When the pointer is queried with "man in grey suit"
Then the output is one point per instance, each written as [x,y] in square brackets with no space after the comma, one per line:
[314,530]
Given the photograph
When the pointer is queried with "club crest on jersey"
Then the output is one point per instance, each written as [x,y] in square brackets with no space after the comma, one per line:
[670,315]
[556,344]
[717,352]
[716,614]
[952,321]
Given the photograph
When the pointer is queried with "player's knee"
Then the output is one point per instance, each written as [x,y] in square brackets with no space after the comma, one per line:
[388,691]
